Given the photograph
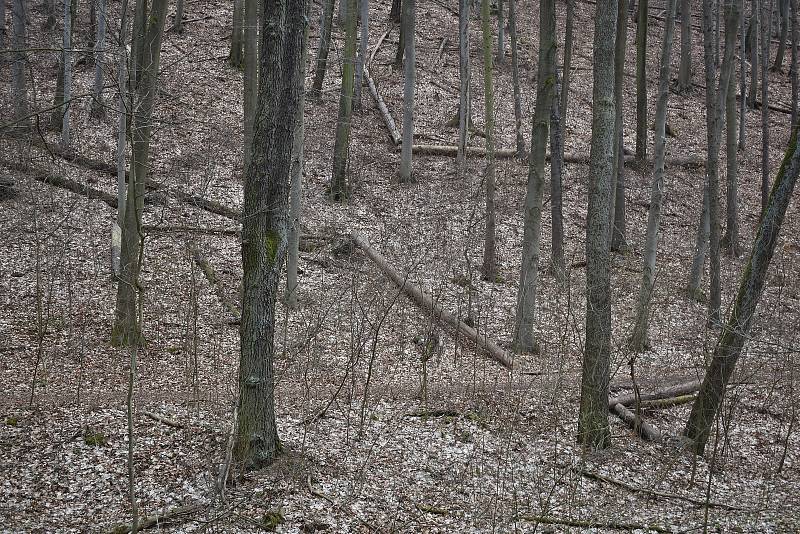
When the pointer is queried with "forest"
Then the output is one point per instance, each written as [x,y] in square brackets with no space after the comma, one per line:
[399,266]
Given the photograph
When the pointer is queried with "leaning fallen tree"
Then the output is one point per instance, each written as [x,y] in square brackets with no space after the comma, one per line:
[423,300]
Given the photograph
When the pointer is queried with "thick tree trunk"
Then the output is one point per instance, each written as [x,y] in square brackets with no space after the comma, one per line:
[619,242]
[512,30]
[324,45]
[250,74]
[489,267]
[98,108]
[409,83]
[341,149]
[557,264]
[264,225]
[524,327]
[126,327]
[593,430]
[731,238]
[685,70]
[19,86]
[464,103]
[733,337]
[362,53]
[641,83]
[236,56]
[639,339]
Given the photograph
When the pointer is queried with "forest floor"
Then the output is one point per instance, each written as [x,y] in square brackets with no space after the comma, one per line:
[374,441]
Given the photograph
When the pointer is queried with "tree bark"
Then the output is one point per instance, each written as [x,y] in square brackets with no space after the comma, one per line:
[236,56]
[251,61]
[67,58]
[754,33]
[639,340]
[793,56]
[557,264]
[341,149]
[641,82]
[409,83]
[569,25]
[501,33]
[264,225]
[619,241]
[593,429]
[512,31]
[324,45]
[685,70]
[19,86]
[783,12]
[701,249]
[751,286]
[524,334]
[742,81]
[362,53]
[464,103]
[766,17]
[178,25]
[731,238]
[394,13]
[489,266]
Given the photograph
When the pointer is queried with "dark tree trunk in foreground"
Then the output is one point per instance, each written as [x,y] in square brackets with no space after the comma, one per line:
[619,241]
[489,266]
[264,226]
[593,430]
[524,335]
[341,149]
[250,74]
[569,26]
[736,331]
[322,52]
[754,39]
[742,81]
[394,13]
[641,83]
[501,33]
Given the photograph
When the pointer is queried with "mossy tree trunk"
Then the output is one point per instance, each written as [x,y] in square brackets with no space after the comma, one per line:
[264,226]
[341,150]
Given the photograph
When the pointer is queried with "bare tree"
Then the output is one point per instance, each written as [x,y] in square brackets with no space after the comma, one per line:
[178,25]
[569,25]
[593,430]
[362,52]
[98,108]
[641,83]
[464,103]
[730,241]
[489,266]
[766,18]
[326,25]
[19,86]
[619,241]
[67,60]
[264,225]
[793,68]
[754,39]
[409,83]
[557,264]
[512,31]
[501,33]
[783,13]
[685,70]
[341,148]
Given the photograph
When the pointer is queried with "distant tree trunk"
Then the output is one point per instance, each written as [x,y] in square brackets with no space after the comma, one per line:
[524,335]
[730,240]
[701,249]
[341,149]
[593,429]
[178,26]
[2,27]
[122,140]
[793,55]
[295,208]
[50,13]
[783,12]
[57,117]
[464,82]
[401,47]
[766,17]
[754,33]
[742,81]
[489,267]
[67,50]
[501,33]
[639,339]
[685,71]
[618,236]
[324,45]
[641,83]
[751,286]
[569,25]
[394,13]
[512,31]
[126,328]
[362,53]
[409,82]
[557,264]
[98,108]
[251,61]
[236,56]
[19,86]
[264,224]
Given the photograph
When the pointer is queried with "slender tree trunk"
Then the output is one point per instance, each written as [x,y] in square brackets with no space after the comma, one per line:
[362,53]
[754,40]
[2,28]
[766,17]
[512,31]
[67,74]
[751,286]
[341,149]
[639,339]
[783,12]
[394,13]
[641,83]
[501,33]
[569,25]
[701,249]
[126,328]
[409,83]
[178,26]
[730,241]
[742,81]
[251,61]
[793,56]
[59,109]
[617,213]
[685,71]
[524,334]
[464,104]
[324,45]
[593,429]
[122,140]
[401,47]
[50,13]
[489,267]
[557,264]
[236,56]
[98,108]
[264,224]
[19,86]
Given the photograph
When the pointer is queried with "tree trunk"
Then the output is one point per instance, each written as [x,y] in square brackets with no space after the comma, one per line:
[524,335]
[19,86]
[501,33]
[641,83]
[409,82]
[178,25]
[341,149]
[324,45]
[464,103]
[731,341]
[766,17]
[783,12]
[639,339]
[593,430]
[2,28]
[59,109]
[742,81]
[701,248]
[685,70]
[557,263]
[401,47]
[122,140]
[569,25]
[50,13]
[793,56]
[98,109]
[754,33]
[489,267]
[362,53]
[126,328]
[394,13]
[67,74]
[619,242]
[264,223]
[731,238]
[512,31]
[251,61]
[236,56]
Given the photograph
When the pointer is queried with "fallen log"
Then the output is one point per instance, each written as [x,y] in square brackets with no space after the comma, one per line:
[425,301]
[394,133]
[612,525]
[645,430]
[160,519]
[677,390]
[63,183]
[657,404]
[216,285]
[164,420]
